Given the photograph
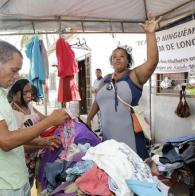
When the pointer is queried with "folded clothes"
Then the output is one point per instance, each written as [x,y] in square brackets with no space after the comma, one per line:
[170,155]
[185,138]
[188,154]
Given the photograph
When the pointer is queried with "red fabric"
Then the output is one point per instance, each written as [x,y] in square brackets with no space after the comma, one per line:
[46,89]
[94,182]
[68,90]
[168,181]
[67,65]
[49,131]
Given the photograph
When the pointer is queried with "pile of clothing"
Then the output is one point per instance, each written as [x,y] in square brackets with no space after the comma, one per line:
[174,161]
[84,165]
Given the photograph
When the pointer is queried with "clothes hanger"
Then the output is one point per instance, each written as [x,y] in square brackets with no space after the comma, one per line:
[85,44]
[81,45]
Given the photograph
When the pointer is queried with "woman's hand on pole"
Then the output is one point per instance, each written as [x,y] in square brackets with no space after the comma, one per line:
[150,25]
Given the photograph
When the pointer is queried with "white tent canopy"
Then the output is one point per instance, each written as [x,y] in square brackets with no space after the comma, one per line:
[67,16]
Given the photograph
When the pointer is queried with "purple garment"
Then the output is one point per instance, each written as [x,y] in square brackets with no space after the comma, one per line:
[84,135]
[55,172]
[51,156]
[76,158]
[47,156]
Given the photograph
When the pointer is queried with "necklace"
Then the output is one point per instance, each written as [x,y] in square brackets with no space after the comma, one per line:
[20,109]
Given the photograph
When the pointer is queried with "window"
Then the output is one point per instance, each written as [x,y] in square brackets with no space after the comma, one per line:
[170,83]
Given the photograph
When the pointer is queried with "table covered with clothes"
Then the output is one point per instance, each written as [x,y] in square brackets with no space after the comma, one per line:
[174,162]
[84,165]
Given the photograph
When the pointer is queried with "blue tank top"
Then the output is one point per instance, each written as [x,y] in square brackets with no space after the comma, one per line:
[136,91]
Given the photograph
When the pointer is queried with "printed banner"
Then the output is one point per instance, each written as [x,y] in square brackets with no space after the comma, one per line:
[176,48]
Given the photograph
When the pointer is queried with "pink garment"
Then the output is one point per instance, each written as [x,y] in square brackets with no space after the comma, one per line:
[67,65]
[94,182]
[67,135]
[68,90]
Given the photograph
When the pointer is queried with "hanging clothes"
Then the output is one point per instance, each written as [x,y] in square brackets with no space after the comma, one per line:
[67,67]
[44,58]
[68,90]
[36,72]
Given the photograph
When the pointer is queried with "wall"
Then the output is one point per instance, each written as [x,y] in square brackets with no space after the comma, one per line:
[165,123]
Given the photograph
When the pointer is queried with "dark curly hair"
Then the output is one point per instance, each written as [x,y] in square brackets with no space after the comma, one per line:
[18,86]
[35,96]
[129,56]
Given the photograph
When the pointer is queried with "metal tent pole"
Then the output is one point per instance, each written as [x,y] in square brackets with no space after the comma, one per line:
[150,110]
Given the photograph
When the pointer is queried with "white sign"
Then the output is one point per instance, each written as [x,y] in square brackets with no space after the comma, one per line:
[176,48]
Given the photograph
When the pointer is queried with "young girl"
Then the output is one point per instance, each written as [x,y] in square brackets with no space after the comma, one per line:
[20,95]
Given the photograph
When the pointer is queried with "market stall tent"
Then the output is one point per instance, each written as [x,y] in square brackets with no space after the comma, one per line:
[101,16]
[52,16]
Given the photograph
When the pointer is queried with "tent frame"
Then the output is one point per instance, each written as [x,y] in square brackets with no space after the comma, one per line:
[86,25]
